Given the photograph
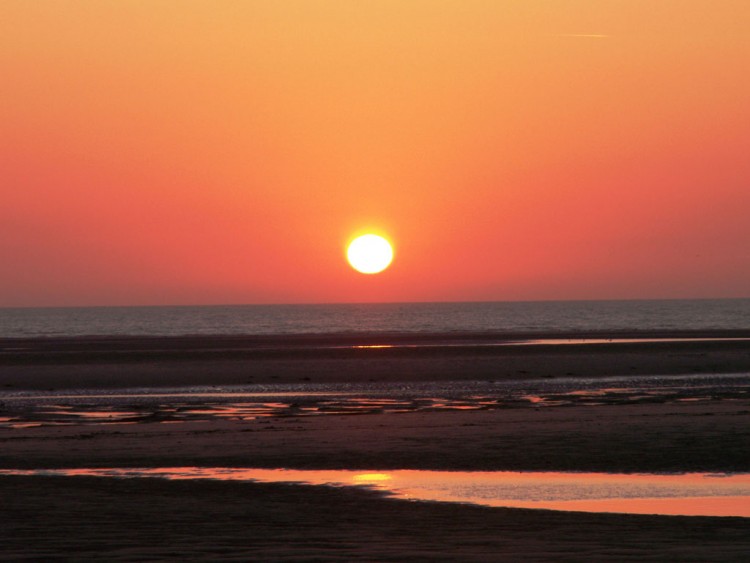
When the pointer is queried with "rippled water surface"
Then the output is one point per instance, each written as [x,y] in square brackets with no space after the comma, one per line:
[550,316]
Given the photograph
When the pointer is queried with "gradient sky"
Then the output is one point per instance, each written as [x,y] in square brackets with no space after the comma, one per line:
[184,152]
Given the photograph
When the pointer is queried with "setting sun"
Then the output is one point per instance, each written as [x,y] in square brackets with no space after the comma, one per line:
[369,254]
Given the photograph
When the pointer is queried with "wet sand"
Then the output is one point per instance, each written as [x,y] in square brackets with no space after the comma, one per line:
[48,518]
[87,362]
[692,436]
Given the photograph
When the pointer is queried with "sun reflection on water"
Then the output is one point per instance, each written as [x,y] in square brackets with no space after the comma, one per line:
[371,478]
[690,494]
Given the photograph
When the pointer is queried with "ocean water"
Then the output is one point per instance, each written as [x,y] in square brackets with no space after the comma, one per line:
[533,316]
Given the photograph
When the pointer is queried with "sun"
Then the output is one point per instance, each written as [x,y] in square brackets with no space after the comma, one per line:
[369,254]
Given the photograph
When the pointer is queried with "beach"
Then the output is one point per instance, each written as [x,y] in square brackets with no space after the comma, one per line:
[121,362]
[79,518]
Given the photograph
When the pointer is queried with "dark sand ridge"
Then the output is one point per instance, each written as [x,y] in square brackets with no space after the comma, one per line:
[692,436]
[79,518]
[88,362]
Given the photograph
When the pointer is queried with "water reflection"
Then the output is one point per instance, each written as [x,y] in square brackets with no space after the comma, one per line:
[24,409]
[689,494]
[559,341]
[371,478]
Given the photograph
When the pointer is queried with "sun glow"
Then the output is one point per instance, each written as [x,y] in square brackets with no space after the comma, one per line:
[369,254]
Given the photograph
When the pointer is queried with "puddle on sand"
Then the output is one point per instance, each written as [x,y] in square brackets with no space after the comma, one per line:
[189,404]
[690,494]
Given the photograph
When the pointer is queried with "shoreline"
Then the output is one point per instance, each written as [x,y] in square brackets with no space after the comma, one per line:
[297,339]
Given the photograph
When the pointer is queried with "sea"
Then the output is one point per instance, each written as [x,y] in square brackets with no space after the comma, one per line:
[528,316]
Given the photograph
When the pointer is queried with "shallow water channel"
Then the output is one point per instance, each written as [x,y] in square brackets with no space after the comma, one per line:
[29,409]
[689,494]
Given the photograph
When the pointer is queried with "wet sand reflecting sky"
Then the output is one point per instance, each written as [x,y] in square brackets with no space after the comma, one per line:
[92,407]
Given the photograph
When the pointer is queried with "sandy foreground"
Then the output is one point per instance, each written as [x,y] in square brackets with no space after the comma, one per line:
[54,518]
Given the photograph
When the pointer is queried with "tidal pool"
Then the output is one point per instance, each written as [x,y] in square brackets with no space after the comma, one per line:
[689,494]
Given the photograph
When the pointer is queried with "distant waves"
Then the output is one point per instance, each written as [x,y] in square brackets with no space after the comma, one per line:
[427,318]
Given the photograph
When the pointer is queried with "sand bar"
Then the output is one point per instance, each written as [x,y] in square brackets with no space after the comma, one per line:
[108,362]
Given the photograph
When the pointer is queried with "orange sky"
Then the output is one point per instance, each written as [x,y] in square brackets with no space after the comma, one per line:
[182,152]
